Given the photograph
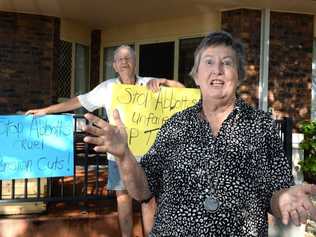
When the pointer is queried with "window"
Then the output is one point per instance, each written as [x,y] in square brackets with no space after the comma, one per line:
[159,60]
[108,71]
[186,60]
[81,71]
[156,60]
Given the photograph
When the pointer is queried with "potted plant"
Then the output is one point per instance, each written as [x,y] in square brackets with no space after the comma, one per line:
[308,145]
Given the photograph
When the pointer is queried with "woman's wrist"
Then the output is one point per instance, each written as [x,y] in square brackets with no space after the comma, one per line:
[125,155]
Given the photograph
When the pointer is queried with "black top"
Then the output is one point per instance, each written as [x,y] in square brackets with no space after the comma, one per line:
[240,168]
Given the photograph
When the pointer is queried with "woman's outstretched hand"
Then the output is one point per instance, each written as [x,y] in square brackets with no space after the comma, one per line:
[106,137]
[294,204]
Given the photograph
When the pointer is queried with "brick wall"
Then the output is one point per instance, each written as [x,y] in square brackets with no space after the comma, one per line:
[290,66]
[245,25]
[290,62]
[27,59]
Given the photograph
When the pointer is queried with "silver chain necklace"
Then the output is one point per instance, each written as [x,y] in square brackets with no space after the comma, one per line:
[211,202]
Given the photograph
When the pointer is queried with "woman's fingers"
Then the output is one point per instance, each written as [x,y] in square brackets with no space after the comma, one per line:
[285,216]
[93,130]
[303,215]
[106,137]
[95,120]
[310,208]
[93,140]
[295,217]
[117,118]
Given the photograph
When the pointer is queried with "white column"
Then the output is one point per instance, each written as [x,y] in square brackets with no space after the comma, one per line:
[176,60]
[264,59]
[137,57]
[313,102]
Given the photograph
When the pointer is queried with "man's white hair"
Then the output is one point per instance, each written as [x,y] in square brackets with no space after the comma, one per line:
[130,49]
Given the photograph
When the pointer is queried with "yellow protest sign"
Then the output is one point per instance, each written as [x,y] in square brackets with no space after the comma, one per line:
[143,111]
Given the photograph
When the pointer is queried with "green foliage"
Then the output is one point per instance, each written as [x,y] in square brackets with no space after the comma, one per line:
[308,165]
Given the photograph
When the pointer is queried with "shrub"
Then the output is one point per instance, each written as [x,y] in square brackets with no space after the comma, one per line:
[308,165]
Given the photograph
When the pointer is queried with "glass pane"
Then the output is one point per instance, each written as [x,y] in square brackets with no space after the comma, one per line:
[186,60]
[156,60]
[81,71]
[108,71]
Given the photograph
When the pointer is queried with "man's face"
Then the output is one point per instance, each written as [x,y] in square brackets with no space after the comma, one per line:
[124,64]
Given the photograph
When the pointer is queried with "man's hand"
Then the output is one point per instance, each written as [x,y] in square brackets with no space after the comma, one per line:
[105,137]
[295,204]
[36,112]
[155,84]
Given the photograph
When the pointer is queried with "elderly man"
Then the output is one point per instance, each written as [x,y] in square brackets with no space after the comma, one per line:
[124,64]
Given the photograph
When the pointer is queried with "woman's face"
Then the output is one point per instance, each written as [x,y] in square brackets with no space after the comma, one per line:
[217,74]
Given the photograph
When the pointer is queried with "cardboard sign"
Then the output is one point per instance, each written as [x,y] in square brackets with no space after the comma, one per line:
[36,146]
[143,112]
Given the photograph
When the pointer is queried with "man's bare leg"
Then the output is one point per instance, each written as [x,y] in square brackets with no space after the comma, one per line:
[148,213]
[125,213]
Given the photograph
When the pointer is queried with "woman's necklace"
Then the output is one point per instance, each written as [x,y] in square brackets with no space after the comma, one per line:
[211,202]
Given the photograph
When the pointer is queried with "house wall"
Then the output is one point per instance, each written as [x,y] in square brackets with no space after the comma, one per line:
[290,59]
[157,31]
[27,60]
[75,32]
[290,65]
[245,24]
[28,54]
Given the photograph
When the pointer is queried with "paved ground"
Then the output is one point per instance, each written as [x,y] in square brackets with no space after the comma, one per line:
[310,229]
[311,225]
[69,220]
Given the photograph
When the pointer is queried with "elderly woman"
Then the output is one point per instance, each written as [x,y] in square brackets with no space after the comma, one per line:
[217,168]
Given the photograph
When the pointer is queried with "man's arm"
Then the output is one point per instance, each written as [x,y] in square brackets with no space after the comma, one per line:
[68,105]
[155,84]
[113,139]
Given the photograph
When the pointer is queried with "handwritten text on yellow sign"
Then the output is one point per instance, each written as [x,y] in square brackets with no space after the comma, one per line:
[143,112]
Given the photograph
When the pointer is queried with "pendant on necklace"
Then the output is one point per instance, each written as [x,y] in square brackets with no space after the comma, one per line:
[211,204]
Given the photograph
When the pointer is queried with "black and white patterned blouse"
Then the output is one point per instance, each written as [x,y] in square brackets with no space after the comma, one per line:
[241,168]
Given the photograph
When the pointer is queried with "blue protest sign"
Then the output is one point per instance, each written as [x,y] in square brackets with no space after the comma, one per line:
[36,146]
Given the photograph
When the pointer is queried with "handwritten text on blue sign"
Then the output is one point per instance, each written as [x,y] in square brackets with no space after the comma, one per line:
[36,146]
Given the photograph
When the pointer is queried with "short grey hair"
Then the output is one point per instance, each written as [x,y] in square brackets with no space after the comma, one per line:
[129,48]
[217,39]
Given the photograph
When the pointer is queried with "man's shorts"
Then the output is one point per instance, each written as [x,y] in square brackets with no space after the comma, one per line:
[114,178]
